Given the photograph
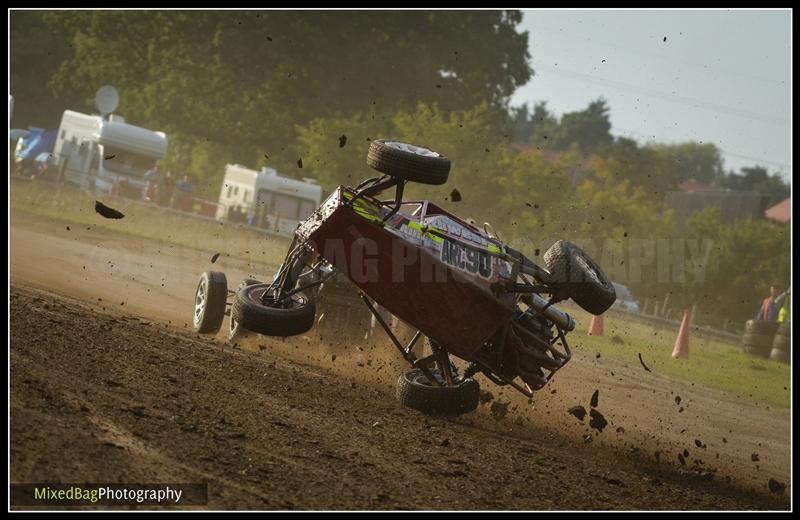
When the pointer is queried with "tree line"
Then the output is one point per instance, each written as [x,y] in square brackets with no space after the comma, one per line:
[282,88]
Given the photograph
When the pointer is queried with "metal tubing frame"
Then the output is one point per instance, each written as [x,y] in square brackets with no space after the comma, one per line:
[404,351]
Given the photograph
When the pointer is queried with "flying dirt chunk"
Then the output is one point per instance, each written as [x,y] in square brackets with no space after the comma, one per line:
[499,410]
[776,487]
[107,212]
[578,411]
[598,422]
[342,140]
[214,258]
[642,362]
[595,399]
[455,195]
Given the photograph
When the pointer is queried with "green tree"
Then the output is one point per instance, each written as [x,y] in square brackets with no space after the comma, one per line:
[245,79]
[588,129]
[36,51]
[474,140]
[744,261]
[701,162]
[758,178]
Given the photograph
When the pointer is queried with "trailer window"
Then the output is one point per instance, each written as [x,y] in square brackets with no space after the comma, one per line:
[126,162]
[287,206]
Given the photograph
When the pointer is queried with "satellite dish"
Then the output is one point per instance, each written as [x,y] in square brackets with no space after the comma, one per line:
[106,100]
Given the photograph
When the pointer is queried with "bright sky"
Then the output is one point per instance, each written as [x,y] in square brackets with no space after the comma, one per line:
[721,76]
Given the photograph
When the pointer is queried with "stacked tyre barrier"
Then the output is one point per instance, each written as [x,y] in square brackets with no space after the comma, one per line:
[758,337]
[781,344]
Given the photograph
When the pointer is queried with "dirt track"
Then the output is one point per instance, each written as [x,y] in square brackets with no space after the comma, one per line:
[107,392]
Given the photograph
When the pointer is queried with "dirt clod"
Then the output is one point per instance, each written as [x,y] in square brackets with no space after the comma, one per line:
[598,422]
[106,211]
[578,411]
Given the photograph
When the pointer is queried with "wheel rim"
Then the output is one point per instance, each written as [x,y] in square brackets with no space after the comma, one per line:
[590,270]
[410,148]
[256,295]
[200,301]
[421,379]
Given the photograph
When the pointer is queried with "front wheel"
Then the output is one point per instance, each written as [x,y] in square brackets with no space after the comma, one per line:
[253,311]
[416,391]
[209,302]
[579,277]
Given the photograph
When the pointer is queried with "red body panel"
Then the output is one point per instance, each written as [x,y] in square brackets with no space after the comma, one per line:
[423,279]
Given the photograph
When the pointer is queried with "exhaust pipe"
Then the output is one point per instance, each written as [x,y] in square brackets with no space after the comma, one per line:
[563,320]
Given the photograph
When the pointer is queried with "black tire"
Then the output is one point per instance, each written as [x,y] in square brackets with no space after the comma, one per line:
[577,276]
[407,162]
[252,315]
[761,327]
[248,282]
[235,330]
[750,350]
[780,342]
[757,345]
[784,330]
[780,355]
[756,351]
[761,341]
[210,312]
[415,391]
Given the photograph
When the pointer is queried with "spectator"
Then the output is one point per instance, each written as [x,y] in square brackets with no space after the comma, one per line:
[152,180]
[166,189]
[770,306]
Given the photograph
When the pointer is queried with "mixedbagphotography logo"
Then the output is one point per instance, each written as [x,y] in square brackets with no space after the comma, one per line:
[54,494]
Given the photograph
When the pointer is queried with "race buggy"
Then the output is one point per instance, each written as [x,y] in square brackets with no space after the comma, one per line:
[463,290]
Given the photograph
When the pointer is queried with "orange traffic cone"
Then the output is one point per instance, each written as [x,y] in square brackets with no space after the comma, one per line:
[596,326]
[681,349]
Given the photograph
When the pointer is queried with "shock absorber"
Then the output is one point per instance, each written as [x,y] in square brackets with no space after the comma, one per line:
[471,370]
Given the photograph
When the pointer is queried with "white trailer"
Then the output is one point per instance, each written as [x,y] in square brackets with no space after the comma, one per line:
[266,200]
[97,153]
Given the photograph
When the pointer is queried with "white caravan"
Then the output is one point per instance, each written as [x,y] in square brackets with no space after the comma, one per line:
[97,153]
[266,200]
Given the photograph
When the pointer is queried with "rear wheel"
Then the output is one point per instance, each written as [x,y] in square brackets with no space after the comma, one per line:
[209,302]
[408,162]
[416,391]
[253,311]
